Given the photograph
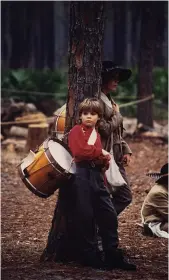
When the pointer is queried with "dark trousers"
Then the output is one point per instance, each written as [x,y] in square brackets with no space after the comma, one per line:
[93,206]
[122,197]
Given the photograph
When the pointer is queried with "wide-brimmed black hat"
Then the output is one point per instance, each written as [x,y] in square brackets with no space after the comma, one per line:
[158,175]
[110,70]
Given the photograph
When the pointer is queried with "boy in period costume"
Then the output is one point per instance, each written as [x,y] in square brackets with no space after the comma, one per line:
[93,203]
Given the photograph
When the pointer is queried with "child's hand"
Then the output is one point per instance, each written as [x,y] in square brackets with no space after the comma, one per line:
[104,152]
[108,157]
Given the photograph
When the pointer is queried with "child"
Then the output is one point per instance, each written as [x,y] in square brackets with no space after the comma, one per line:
[93,203]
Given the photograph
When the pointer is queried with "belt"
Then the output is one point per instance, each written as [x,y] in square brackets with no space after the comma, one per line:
[88,164]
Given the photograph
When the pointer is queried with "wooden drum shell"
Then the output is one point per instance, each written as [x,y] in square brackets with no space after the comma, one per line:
[43,176]
[59,121]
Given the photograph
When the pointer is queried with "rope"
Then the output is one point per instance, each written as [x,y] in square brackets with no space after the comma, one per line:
[55,93]
[52,118]
[137,101]
[29,92]
[28,121]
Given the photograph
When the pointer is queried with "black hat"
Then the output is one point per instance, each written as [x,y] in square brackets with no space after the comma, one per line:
[110,69]
[158,175]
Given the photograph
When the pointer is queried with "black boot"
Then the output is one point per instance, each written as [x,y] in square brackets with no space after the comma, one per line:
[93,259]
[115,259]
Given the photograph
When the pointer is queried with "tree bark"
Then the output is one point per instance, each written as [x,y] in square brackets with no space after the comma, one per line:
[147,44]
[108,44]
[85,51]
[59,30]
[128,33]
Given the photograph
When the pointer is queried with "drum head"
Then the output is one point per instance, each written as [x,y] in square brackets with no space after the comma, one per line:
[62,156]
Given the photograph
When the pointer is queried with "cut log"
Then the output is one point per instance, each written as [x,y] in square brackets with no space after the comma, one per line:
[19,145]
[18,131]
[37,133]
[29,117]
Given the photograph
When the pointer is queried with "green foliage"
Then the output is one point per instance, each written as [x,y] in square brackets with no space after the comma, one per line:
[128,89]
[127,92]
[160,84]
[49,83]
[55,82]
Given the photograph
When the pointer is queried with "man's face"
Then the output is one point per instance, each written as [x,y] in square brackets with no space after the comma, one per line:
[89,118]
[113,83]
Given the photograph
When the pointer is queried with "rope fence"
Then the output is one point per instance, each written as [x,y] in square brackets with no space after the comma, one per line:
[50,119]
[28,92]
[137,101]
[50,93]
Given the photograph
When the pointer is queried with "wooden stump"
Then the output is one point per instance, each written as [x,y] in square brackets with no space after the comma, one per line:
[37,133]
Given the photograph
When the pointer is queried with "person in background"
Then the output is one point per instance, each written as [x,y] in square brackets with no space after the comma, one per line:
[111,130]
[154,211]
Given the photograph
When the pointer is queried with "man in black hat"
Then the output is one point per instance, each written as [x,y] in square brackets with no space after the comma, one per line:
[154,211]
[111,130]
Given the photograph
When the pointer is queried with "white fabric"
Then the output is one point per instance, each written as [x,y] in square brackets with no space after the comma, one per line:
[113,174]
[155,228]
[105,100]
[93,137]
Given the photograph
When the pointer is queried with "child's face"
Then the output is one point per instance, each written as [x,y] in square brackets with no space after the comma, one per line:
[89,118]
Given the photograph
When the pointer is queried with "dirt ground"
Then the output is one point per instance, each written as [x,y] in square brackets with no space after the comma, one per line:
[26,221]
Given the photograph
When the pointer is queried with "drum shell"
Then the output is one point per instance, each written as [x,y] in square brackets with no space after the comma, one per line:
[43,176]
[59,121]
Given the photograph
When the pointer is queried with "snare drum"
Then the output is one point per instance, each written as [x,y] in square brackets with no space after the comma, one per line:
[44,171]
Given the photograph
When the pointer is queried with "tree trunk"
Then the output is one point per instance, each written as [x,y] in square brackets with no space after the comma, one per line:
[147,43]
[109,32]
[128,34]
[137,41]
[85,49]
[59,31]
[86,34]
[165,40]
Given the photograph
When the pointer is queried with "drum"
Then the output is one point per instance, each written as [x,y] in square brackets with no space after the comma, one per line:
[44,171]
[59,121]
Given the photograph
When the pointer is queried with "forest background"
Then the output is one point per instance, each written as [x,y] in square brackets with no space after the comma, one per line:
[34,52]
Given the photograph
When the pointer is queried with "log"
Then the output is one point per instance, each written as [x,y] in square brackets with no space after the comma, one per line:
[19,145]
[18,131]
[37,133]
[29,117]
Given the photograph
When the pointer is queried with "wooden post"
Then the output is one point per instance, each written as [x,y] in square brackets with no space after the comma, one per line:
[37,133]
